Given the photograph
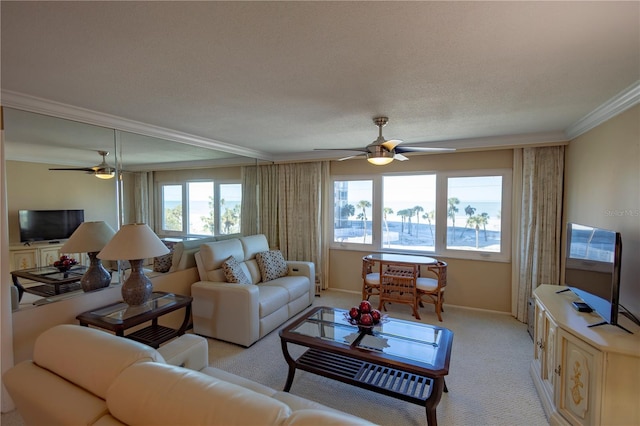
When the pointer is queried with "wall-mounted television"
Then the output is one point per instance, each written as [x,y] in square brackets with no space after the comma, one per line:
[592,268]
[48,225]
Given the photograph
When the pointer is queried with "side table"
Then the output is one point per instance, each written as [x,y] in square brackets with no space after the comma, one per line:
[119,317]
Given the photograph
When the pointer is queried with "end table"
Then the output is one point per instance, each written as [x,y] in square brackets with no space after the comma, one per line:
[119,317]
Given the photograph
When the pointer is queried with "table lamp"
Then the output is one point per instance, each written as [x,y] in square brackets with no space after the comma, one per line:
[90,238]
[134,242]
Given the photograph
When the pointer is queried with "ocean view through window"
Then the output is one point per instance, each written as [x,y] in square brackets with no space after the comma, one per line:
[446,213]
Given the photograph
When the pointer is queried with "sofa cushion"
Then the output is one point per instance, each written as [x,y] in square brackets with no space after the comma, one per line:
[213,254]
[254,244]
[272,265]
[88,357]
[270,299]
[196,399]
[295,286]
[234,272]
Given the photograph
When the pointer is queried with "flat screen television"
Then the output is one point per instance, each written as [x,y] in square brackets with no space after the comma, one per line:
[48,225]
[592,268]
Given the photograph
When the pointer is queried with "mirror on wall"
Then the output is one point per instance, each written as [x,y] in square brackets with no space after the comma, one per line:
[35,143]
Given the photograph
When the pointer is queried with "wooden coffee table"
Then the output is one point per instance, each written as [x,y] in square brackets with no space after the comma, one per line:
[403,359]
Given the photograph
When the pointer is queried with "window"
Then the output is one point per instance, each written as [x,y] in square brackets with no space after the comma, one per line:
[200,208]
[230,204]
[409,212]
[453,214]
[352,211]
[474,210]
[172,211]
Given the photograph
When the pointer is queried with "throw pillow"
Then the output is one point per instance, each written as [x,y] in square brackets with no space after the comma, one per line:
[271,264]
[233,271]
[163,263]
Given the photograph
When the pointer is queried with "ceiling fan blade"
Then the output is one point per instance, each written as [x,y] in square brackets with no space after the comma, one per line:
[422,149]
[83,169]
[399,157]
[351,156]
[391,143]
[342,149]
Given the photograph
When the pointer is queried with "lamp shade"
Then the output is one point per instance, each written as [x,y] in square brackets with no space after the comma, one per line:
[89,237]
[133,241]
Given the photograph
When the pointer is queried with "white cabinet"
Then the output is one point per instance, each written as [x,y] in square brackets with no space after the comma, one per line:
[584,375]
[25,257]
[578,392]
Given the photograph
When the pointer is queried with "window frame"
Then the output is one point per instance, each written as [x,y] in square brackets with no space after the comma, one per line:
[441,215]
[185,211]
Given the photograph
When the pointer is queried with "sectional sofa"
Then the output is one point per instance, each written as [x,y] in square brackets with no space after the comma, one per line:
[84,376]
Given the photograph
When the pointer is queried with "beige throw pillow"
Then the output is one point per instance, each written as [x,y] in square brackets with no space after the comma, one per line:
[233,271]
[271,264]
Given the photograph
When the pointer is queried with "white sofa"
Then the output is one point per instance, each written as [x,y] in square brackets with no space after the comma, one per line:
[84,376]
[244,313]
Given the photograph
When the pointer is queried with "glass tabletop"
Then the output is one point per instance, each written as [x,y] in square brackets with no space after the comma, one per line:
[404,339]
[117,313]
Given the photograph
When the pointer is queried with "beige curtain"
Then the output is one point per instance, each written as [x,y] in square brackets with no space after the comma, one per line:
[540,225]
[288,200]
[141,198]
[249,210]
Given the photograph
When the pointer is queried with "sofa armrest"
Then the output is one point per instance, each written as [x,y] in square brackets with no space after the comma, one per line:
[307,269]
[226,311]
[188,351]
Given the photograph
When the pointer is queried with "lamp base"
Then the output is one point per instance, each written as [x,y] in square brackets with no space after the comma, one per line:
[137,288]
[96,276]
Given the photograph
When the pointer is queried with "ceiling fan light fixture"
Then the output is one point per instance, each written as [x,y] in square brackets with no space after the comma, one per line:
[106,173]
[380,158]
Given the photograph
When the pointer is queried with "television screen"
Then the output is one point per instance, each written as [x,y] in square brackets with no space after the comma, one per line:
[592,268]
[47,225]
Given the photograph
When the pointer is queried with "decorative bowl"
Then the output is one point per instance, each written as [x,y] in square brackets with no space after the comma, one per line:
[363,327]
[64,263]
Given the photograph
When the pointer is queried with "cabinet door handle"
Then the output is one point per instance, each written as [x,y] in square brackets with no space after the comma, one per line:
[558,370]
[540,344]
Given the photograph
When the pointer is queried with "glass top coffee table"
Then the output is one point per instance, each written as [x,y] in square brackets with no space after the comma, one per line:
[403,359]
[119,317]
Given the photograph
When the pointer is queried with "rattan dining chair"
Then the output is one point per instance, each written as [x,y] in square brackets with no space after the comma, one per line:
[398,285]
[431,290]
[370,279]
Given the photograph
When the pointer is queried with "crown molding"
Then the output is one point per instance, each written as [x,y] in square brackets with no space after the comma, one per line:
[624,100]
[56,109]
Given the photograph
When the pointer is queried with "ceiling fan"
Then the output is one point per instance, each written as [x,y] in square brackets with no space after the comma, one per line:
[382,151]
[102,170]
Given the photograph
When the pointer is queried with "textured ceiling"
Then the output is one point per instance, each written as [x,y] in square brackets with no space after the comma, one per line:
[283,78]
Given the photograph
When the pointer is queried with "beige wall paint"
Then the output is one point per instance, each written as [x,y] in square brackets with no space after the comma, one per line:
[32,186]
[602,188]
[476,284]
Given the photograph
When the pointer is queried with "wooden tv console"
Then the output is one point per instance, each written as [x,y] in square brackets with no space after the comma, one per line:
[584,376]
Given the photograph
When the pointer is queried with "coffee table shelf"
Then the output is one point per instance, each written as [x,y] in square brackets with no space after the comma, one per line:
[386,380]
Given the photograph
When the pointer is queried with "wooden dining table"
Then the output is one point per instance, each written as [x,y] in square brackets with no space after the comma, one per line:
[401,259]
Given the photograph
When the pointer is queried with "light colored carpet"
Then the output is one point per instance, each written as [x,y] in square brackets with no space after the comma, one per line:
[488,381]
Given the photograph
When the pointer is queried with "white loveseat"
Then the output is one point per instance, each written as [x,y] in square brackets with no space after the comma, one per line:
[244,313]
[84,376]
